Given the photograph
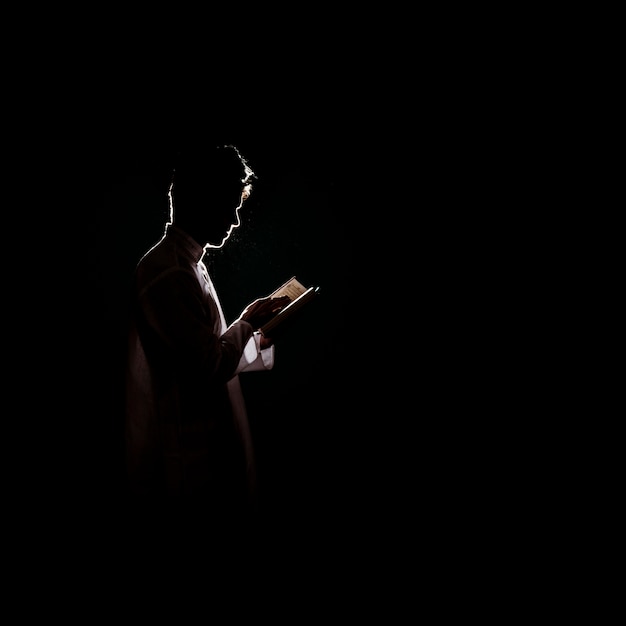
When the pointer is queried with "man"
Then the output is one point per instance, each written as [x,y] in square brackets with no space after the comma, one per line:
[186,427]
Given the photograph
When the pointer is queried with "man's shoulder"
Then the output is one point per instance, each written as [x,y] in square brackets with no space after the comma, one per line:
[163,260]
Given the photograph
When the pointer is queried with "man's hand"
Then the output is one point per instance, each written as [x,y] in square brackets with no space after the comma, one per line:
[263,310]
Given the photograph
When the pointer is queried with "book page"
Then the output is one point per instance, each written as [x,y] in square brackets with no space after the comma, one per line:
[292,288]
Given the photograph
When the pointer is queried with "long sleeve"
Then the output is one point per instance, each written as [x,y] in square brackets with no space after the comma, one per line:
[255,359]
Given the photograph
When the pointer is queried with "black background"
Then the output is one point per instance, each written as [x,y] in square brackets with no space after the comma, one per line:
[388,175]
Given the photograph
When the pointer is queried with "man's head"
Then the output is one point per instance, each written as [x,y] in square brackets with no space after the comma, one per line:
[207,190]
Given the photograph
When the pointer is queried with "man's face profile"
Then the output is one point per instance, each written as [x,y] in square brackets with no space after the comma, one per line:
[233,220]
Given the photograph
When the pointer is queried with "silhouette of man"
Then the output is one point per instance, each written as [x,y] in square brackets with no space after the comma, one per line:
[186,427]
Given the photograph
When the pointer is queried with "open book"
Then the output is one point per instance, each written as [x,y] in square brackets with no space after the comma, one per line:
[299,296]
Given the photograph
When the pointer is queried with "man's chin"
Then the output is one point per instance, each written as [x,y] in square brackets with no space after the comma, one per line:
[218,244]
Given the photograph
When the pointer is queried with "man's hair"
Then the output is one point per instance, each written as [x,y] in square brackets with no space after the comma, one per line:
[209,167]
